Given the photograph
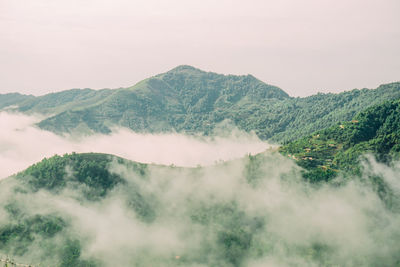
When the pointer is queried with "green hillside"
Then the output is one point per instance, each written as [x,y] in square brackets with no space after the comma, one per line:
[375,130]
[47,235]
[183,99]
[309,114]
[7,100]
[189,100]
[25,230]
[90,170]
[65,100]
[101,210]
[26,233]
[186,99]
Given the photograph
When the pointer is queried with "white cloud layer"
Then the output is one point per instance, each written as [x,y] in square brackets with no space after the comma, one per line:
[22,144]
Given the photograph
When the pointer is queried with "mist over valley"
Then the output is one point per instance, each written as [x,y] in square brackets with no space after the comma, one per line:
[192,168]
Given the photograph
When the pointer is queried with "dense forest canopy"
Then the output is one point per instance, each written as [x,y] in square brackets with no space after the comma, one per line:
[186,99]
[375,131]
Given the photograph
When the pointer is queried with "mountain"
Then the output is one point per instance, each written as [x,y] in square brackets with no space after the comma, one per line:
[54,103]
[183,99]
[304,116]
[48,234]
[375,130]
[186,99]
[7,100]
[101,210]
[319,200]
[45,231]
[88,209]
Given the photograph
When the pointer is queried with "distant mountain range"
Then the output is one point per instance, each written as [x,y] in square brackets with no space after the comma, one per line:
[83,209]
[186,99]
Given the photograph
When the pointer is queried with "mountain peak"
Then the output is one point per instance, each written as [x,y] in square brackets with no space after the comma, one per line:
[186,68]
[187,78]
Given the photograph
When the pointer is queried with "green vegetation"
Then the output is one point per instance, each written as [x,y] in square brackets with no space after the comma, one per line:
[7,100]
[324,153]
[61,101]
[233,239]
[94,204]
[184,99]
[189,100]
[88,175]
[90,170]
[22,232]
[95,209]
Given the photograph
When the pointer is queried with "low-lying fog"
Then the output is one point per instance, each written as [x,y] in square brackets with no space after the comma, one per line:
[238,213]
[22,144]
[254,211]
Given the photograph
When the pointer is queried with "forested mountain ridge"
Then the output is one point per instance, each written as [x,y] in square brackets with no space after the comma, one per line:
[320,111]
[48,236]
[54,103]
[82,209]
[186,99]
[7,100]
[183,99]
[89,169]
[375,130]
[27,232]
[232,234]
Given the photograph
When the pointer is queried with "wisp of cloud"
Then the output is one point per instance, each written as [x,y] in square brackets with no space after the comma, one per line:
[23,144]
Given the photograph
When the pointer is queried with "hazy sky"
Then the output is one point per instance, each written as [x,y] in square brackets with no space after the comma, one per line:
[302,46]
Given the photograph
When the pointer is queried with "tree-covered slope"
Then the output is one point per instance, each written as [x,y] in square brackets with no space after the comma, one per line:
[49,235]
[190,100]
[40,235]
[54,103]
[320,111]
[101,210]
[375,130]
[186,99]
[183,99]
[91,170]
[7,100]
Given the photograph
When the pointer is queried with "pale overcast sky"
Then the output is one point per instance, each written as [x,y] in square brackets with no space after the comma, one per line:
[302,46]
